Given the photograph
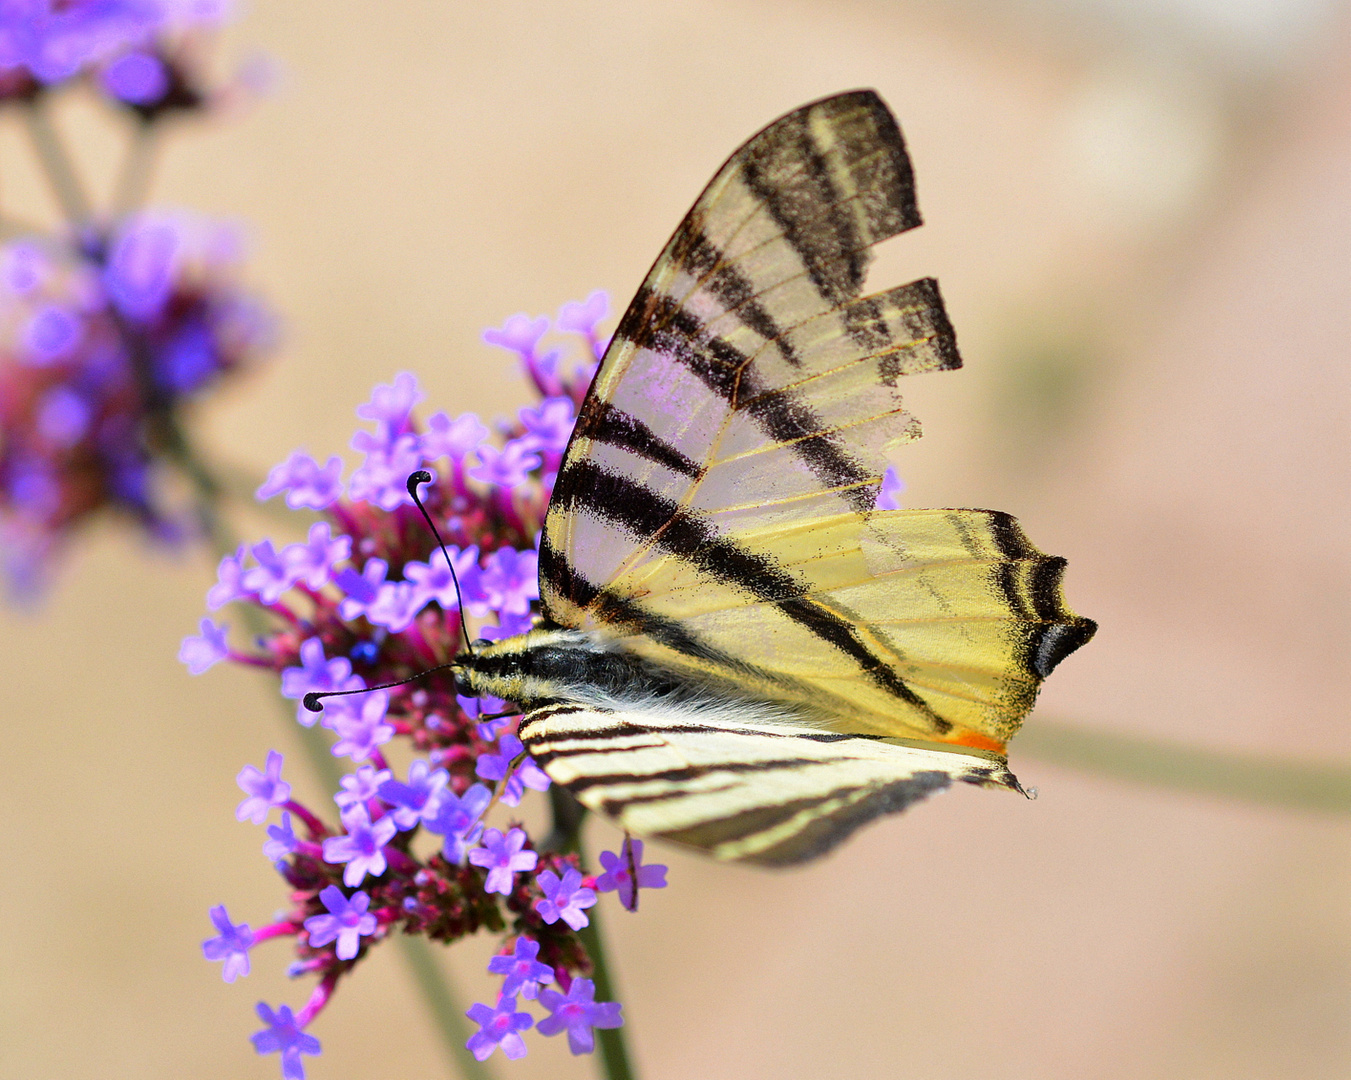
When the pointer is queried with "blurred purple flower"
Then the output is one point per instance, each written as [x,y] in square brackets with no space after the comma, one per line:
[264,789]
[231,944]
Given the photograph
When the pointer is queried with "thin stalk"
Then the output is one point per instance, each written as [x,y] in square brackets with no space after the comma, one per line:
[439,996]
[1161,763]
[567,837]
[56,163]
[133,182]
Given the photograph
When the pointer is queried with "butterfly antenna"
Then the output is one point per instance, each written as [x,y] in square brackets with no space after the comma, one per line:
[313,700]
[422,476]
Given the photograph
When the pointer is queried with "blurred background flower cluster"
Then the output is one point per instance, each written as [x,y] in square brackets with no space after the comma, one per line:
[1140,217]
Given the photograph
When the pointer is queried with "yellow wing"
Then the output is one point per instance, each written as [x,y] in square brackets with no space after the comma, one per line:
[714,510]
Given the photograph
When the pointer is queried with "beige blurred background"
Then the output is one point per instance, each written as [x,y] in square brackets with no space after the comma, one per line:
[1141,218]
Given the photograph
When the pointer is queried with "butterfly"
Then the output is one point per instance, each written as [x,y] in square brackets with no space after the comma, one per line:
[740,652]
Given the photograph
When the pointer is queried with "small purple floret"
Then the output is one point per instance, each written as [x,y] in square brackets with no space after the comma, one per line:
[417,800]
[498,1027]
[264,789]
[347,922]
[231,944]
[281,839]
[617,876]
[305,483]
[200,651]
[577,1012]
[889,496]
[564,898]
[362,848]
[457,819]
[502,857]
[284,1035]
[524,973]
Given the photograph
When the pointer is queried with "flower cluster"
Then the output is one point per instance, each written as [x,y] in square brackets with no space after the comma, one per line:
[110,323]
[368,599]
[100,344]
[139,53]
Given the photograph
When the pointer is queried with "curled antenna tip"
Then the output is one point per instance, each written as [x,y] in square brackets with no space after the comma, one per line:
[312,702]
[422,476]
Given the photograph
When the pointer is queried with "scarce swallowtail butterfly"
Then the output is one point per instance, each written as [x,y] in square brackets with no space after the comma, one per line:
[739,651]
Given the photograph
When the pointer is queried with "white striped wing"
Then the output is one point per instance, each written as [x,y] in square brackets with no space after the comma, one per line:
[734,787]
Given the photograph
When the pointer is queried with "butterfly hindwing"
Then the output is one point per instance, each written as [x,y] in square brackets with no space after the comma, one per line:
[942,622]
[735,786]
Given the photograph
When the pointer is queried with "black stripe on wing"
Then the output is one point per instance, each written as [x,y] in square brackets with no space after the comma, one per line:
[820,835]
[602,422]
[659,323]
[586,487]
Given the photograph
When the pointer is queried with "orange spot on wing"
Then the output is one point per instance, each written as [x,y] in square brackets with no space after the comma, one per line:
[976,741]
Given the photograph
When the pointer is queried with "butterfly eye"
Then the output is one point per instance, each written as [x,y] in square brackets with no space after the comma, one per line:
[481,643]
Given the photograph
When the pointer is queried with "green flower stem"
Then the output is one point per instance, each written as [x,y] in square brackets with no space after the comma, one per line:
[442,1003]
[1254,778]
[567,837]
[133,182]
[614,1053]
[55,162]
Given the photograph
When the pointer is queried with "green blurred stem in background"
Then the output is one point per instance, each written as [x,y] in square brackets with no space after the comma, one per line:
[1255,778]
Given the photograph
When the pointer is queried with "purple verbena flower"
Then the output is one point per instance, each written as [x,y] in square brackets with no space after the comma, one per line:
[551,424]
[583,316]
[231,944]
[360,786]
[454,439]
[498,1027]
[281,839]
[524,973]
[499,767]
[264,789]
[305,483]
[229,581]
[396,605]
[416,801]
[201,651]
[312,562]
[284,1035]
[137,77]
[391,404]
[434,580]
[510,580]
[564,898]
[361,729]
[382,479]
[362,848]
[502,857]
[457,818]
[520,334]
[577,1012]
[272,576]
[618,876]
[508,467]
[347,922]
[361,589]
[318,674]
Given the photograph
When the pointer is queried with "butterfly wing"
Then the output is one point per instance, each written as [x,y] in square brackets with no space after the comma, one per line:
[715,512]
[736,788]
